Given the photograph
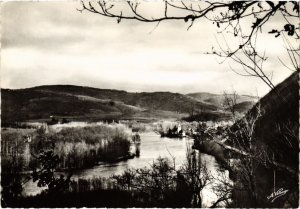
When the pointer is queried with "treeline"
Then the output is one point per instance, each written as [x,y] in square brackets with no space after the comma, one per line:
[83,147]
[208,116]
[160,185]
[15,152]
[76,148]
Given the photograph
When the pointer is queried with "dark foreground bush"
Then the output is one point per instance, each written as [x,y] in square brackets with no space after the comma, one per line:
[99,198]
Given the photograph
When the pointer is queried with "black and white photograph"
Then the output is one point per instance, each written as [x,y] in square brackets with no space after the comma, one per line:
[150,104]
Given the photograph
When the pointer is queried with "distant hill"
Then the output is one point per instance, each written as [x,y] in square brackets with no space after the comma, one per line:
[244,102]
[85,103]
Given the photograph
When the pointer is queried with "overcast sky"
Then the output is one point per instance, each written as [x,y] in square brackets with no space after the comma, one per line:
[45,43]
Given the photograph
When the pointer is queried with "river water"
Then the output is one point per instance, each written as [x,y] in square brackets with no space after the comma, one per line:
[152,146]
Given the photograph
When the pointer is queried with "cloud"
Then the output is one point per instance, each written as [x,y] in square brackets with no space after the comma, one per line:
[53,43]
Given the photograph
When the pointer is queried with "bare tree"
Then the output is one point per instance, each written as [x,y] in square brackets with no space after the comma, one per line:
[229,17]
[230,102]
[155,181]
[228,14]
[242,139]
[254,153]
[162,177]
[293,53]
[247,130]
[223,188]
[11,179]
[196,175]
[248,58]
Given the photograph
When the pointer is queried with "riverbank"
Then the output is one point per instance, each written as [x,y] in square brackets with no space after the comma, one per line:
[94,190]
[213,148]
[216,150]
[152,146]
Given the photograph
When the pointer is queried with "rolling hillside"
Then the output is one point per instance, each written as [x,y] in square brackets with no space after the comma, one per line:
[85,103]
[244,102]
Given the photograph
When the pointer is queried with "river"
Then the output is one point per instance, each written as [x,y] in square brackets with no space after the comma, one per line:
[152,146]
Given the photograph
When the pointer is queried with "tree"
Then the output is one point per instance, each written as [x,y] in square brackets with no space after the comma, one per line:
[156,182]
[196,176]
[161,182]
[45,175]
[244,140]
[223,188]
[12,165]
[230,102]
[230,17]
[254,156]
[240,142]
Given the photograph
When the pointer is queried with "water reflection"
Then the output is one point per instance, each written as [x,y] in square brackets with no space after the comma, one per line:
[152,146]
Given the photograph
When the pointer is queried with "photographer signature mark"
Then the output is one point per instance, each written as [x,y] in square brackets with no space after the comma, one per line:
[280,192]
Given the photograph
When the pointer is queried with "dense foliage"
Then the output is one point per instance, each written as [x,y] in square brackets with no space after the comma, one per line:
[76,147]
[160,185]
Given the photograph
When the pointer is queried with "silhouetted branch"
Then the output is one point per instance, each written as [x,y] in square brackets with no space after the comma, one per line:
[225,15]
